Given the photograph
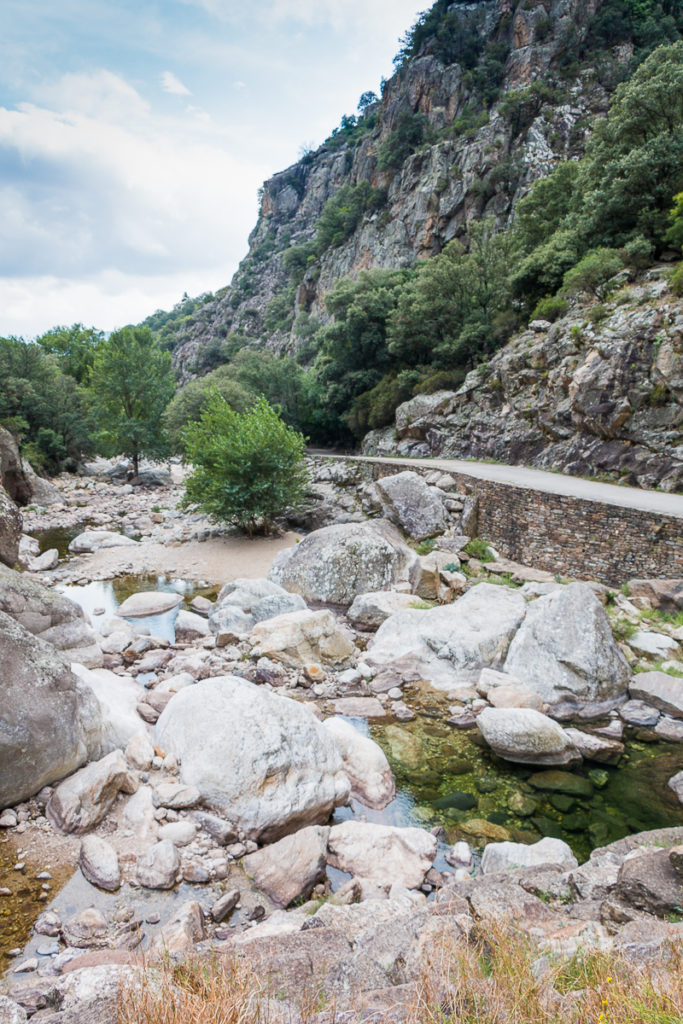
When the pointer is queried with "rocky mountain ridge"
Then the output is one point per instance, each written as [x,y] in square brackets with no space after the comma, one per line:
[481,135]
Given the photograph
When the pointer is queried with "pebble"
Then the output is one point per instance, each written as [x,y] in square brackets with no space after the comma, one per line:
[4,891]
[20,865]
[48,948]
[44,876]
[394,693]
[152,919]
[8,818]
[27,965]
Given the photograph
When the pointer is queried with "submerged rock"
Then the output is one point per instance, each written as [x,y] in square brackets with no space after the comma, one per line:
[262,760]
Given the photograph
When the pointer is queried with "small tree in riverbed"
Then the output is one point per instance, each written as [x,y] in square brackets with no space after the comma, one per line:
[132,383]
[248,467]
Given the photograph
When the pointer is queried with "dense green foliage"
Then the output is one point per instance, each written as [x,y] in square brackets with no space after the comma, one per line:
[132,383]
[44,407]
[248,467]
[189,402]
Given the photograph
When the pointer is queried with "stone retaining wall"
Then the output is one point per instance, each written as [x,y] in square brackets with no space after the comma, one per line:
[572,536]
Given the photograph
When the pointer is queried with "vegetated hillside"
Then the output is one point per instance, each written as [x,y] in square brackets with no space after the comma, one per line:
[598,392]
[520,149]
[489,97]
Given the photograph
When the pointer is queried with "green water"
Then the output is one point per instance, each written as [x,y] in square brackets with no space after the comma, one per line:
[448,777]
[60,537]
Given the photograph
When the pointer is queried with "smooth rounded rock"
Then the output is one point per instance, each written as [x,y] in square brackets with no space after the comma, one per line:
[149,602]
[99,863]
[526,736]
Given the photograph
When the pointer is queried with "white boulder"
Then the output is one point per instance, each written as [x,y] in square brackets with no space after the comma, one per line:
[507,856]
[382,854]
[262,760]
[525,736]
[473,632]
[339,562]
[365,763]
[564,650]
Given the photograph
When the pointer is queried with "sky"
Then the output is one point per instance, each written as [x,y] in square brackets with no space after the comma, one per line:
[134,135]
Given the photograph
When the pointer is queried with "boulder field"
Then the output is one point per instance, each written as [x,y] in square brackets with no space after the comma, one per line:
[235,758]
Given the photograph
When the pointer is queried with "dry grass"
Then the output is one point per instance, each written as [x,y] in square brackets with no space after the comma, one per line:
[497,977]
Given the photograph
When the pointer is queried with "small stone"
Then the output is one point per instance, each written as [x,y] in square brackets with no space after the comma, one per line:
[599,777]
[20,865]
[48,924]
[223,906]
[152,918]
[8,818]
[26,966]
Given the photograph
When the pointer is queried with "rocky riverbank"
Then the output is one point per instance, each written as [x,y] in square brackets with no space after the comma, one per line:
[223,789]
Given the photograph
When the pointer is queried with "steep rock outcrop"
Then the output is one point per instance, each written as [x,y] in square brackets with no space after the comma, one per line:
[586,395]
[469,165]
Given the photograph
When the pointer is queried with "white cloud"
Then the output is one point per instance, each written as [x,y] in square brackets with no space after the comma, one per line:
[87,192]
[171,83]
[239,85]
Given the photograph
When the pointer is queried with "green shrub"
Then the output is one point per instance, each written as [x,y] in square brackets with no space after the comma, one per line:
[677,280]
[248,467]
[402,141]
[551,308]
[593,273]
[479,549]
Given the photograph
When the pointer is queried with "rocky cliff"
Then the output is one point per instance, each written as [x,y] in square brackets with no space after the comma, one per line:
[450,140]
[598,392]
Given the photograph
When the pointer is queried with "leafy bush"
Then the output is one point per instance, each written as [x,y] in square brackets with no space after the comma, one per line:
[248,467]
[677,280]
[188,404]
[551,308]
[402,141]
[593,273]
[343,212]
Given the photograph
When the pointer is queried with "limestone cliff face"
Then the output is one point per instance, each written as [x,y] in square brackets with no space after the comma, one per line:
[594,393]
[472,162]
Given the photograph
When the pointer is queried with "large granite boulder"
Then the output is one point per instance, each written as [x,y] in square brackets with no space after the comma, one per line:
[382,854]
[12,474]
[509,856]
[443,643]
[118,697]
[564,650]
[526,736]
[263,761]
[10,529]
[49,616]
[411,504]
[303,637]
[660,690]
[244,602]
[81,801]
[49,720]
[337,563]
[288,870]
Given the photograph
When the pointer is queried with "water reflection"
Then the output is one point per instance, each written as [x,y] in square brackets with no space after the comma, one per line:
[101,600]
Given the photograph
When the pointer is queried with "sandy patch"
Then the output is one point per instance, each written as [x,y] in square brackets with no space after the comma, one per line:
[216,560]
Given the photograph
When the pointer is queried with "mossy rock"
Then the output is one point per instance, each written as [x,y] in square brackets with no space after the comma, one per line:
[562,782]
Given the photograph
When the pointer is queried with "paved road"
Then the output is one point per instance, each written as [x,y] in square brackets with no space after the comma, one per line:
[552,483]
